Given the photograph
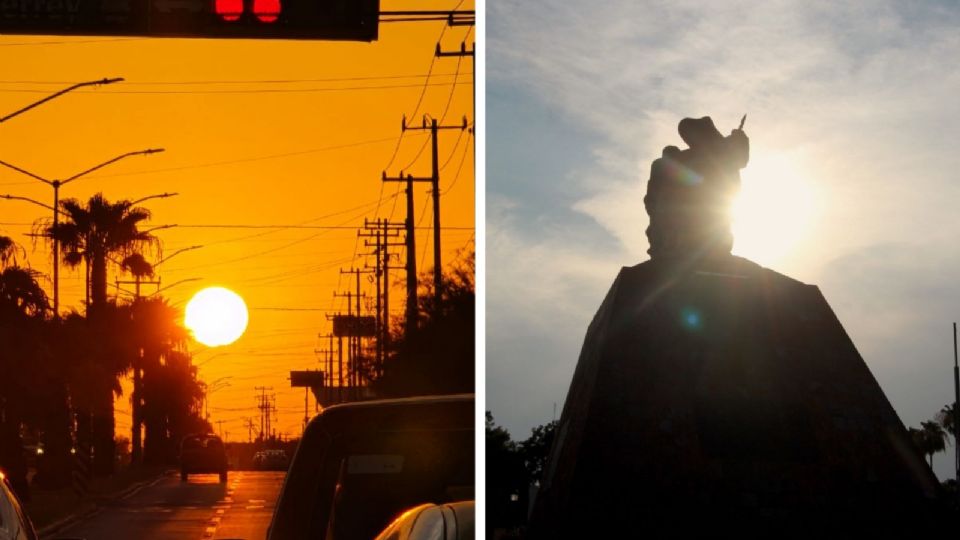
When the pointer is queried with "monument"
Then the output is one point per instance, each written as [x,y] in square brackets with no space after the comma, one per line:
[714,395]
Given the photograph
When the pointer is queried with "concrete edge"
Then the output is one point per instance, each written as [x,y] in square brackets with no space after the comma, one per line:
[76,517]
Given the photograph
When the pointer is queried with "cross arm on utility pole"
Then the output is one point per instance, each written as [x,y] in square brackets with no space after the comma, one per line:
[424,126]
[462,52]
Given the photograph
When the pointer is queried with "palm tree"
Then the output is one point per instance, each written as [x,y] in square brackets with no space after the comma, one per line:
[137,265]
[945,417]
[929,439]
[23,308]
[94,234]
[8,251]
[161,340]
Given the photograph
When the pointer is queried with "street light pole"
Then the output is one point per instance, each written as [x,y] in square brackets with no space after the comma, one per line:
[56,184]
[60,93]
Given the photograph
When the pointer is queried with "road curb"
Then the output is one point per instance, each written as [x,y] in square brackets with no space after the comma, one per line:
[76,517]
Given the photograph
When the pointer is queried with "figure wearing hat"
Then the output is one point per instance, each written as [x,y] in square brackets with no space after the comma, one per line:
[690,191]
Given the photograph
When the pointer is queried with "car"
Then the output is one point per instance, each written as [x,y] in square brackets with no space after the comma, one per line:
[453,521]
[201,454]
[360,465]
[14,522]
[273,460]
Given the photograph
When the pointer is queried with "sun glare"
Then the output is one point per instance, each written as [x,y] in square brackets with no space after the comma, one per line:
[216,316]
[775,210]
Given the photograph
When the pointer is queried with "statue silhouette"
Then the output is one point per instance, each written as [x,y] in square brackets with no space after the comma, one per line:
[690,191]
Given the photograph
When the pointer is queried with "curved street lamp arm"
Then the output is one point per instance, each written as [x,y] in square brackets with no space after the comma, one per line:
[26,172]
[175,253]
[27,199]
[161,289]
[58,94]
[108,162]
[157,196]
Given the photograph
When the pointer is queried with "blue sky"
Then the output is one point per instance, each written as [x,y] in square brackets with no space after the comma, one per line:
[853,113]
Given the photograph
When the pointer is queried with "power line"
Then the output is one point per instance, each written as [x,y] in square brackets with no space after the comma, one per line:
[244,81]
[222,92]
[64,42]
[333,227]
[456,177]
[247,160]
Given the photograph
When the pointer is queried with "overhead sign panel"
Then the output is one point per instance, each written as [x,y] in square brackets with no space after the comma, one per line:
[354,326]
[351,20]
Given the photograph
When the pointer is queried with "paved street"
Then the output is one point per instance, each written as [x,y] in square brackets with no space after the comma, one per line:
[199,509]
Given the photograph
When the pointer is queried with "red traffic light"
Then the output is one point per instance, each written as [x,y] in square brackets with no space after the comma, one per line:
[229,10]
[267,11]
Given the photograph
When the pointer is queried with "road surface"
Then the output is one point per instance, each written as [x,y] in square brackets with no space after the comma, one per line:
[199,509]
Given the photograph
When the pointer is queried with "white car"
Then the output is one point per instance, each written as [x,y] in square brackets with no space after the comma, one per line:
[453,521]
[14,523]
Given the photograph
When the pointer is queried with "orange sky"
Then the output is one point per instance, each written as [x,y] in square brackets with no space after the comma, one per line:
[256,152]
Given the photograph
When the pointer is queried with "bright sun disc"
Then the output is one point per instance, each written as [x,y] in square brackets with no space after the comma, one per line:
[217,316]
[775,211]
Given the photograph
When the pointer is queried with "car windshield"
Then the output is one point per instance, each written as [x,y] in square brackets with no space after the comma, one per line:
[193,443]
[380,477]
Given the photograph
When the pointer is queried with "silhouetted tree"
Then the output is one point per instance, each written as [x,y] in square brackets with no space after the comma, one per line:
[23,357]
[945,418]
[536,449]
[94,233]
[929,439]
[506,476]
[171,393]
[437,358]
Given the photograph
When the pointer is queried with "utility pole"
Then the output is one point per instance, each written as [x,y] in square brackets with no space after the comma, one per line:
[382,231]
[264,406]
[136,282]
[463,52]
[306,405]
[956,409]
[220,424]
[326,358]
[357,353]
[411,245]
[434,180]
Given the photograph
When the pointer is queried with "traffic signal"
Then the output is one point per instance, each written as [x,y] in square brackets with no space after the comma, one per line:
[353,20]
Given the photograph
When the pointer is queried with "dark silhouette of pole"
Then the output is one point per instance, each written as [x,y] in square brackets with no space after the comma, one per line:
[411,246]
[956,409]
[382,231]
[434,180]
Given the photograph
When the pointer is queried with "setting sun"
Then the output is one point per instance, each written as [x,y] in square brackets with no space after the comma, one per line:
[216,316]
[775,210]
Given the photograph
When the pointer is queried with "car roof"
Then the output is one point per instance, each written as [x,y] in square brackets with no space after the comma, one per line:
[343,407]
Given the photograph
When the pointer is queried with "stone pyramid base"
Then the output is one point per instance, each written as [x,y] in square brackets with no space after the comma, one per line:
[726,398]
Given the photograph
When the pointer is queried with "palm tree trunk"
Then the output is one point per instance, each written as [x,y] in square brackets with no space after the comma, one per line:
[104,447]
[136,451]
[98,280]
[53,468]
